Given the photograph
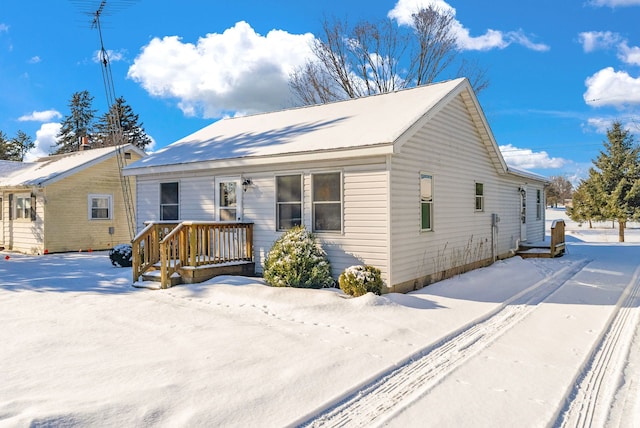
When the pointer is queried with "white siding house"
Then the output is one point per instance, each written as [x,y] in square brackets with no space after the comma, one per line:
[411,182]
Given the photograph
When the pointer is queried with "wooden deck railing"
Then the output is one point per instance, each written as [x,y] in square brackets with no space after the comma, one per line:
[557,238]
[172,246]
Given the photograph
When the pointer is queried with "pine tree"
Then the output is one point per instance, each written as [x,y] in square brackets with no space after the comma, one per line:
[20,145]
[4,147]
[78,124]
[614,181]
[108,132]
[585,204]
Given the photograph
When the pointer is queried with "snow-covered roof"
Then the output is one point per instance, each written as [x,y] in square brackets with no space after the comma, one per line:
[369,122]
[51,168]
[527,174]
[9,167]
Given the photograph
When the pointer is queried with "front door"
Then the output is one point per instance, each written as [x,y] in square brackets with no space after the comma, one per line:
[523,214]
[228,199]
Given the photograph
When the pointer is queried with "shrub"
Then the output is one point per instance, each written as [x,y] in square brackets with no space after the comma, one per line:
[360,280]
[297,260]
[120,255]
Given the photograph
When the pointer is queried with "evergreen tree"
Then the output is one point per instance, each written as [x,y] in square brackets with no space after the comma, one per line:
[78,124]
[108,132]
[20,145]
[585,204]
[4,147]
[614,181]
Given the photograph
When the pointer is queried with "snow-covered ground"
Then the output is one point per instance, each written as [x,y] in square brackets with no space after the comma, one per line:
[533,342]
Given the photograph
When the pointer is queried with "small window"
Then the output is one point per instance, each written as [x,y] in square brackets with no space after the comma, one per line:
[100,207]
[479,197]
[23,207]
[169,201]
[1,208]
[288,201]
[327,202]
[426,201]
[538,204]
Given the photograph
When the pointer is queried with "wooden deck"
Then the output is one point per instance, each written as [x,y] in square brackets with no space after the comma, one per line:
[172,253]
[553,248]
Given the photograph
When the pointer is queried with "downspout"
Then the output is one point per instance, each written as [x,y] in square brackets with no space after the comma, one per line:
[495,219]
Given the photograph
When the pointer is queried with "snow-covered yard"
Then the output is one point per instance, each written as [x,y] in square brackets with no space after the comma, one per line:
[533,342]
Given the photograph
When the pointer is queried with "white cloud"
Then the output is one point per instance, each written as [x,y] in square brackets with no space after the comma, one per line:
[528,159]
[614,3]
[4,28]
[610,87]
[594,40]
[34,59]
[629,54]
[236,71]
[40,116]
[602,124]
[492,39]
[112,56]
[44,142]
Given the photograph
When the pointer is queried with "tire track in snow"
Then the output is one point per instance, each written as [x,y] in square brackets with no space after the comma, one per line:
[589,402]
[377,400]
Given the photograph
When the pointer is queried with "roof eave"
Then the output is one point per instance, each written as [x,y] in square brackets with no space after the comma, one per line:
[246,161]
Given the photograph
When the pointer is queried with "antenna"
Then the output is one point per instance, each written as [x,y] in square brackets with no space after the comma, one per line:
[115,125]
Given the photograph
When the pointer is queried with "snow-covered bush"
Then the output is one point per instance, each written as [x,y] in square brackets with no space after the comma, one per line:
[360,280]
[297,260]
[120,255]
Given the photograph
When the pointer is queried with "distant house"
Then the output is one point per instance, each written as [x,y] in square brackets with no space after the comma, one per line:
[67,202]
[411,182]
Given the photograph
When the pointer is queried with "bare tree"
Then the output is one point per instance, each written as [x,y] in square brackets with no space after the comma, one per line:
[559,190]
[372,58]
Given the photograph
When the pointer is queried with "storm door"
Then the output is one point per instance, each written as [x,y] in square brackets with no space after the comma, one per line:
[523,213]
[228,199]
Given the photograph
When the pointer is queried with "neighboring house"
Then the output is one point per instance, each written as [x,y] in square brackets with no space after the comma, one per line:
[70,202]
[411,182]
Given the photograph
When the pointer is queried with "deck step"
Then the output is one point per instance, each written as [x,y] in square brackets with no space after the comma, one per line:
[154,276]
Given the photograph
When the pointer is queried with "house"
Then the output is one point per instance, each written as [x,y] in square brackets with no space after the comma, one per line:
[69,202]
[411,182]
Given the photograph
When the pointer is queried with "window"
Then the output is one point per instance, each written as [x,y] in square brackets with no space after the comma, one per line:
[100,207]
[169,201]
[479,197]
[288,201]
[538,204]
[23,207]
[327,202]
[426,201]
[1,208]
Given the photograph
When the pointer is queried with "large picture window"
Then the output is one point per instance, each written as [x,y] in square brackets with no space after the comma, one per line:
[100,207]
[327,202]
[169,201]
[426,201]
[288,201]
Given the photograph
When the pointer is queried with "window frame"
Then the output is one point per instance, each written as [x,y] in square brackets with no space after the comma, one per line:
[94,196]
[479,197]
[423,203]
[279,203]
[26,210]
[538,204]
[161,205]
[316,203]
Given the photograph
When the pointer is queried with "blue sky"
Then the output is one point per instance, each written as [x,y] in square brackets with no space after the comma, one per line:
[560,71]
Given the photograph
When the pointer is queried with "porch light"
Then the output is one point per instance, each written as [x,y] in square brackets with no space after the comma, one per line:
[246,183]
